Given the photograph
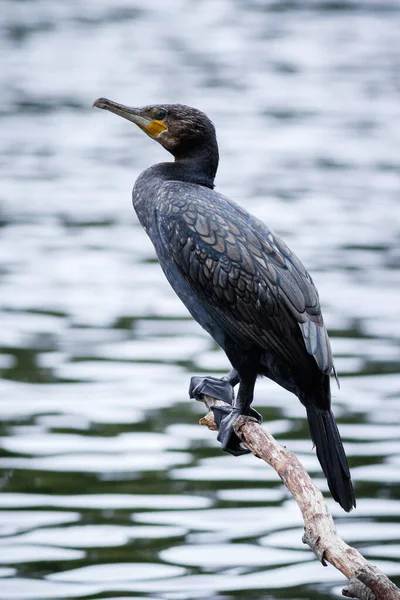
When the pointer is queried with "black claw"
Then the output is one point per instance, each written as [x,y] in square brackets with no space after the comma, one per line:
[220,389]
[255,414]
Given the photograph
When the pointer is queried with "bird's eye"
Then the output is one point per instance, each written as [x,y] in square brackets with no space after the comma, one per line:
[160,115]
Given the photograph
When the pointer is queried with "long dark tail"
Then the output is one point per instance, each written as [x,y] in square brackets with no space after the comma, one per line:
[331,455]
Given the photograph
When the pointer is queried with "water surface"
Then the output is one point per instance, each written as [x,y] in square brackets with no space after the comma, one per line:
[109,487]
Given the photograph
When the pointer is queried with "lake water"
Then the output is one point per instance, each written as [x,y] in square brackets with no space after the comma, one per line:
[109,487]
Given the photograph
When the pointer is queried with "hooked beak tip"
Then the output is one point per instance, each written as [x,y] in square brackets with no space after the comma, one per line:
[100,103]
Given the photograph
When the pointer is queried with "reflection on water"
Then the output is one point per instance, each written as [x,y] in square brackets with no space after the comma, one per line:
[109,487]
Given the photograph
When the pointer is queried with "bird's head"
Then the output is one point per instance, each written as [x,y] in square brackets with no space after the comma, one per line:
[180,129]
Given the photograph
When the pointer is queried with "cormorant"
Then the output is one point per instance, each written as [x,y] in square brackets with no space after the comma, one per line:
[239,281]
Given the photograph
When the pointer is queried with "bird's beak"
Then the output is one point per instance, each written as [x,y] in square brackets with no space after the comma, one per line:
[152,127]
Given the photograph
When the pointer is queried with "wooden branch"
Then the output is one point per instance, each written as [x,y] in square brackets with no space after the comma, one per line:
[366,582]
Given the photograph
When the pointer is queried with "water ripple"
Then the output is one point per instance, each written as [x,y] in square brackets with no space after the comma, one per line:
[109,487]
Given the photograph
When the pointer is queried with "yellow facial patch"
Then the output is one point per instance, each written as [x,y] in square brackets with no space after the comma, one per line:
[154,128]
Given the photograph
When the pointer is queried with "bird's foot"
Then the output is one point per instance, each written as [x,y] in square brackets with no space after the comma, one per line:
[225,418]
[220,389]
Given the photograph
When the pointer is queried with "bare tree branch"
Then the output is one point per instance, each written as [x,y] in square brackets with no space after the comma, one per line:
[366,582]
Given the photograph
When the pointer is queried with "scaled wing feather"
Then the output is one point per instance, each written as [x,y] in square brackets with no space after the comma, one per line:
[255,285]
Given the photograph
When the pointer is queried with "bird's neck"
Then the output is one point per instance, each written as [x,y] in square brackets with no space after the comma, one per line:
[197,166]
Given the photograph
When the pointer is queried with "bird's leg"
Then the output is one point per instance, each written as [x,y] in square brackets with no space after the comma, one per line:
[225,417]
[218,388]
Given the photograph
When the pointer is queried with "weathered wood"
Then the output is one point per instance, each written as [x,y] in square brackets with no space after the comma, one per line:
[366,582]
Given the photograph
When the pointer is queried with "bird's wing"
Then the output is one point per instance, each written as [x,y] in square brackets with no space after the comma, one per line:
[255,285]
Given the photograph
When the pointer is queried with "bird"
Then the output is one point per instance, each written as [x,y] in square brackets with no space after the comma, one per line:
[239,281]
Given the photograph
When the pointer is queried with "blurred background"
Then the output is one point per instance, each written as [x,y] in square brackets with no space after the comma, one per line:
[109,487]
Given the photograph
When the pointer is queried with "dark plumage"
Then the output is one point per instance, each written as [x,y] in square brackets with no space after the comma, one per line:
[239,281]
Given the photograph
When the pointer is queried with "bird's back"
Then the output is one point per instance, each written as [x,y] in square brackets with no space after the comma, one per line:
[229,262]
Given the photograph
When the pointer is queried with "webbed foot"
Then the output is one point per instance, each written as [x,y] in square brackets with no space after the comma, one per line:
[225,418]
[226,415]
[220,389]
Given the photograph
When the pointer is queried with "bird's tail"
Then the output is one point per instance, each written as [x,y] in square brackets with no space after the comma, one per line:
[331,455]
